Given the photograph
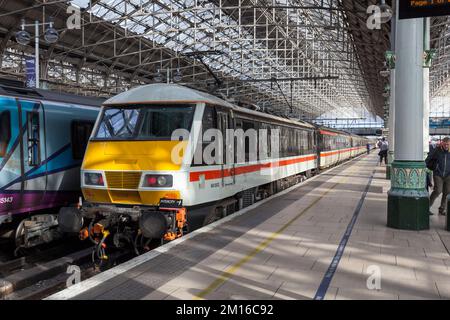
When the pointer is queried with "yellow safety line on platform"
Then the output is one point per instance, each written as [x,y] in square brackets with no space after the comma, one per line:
[231,270]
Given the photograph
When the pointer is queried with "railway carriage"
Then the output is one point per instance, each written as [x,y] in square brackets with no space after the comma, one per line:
[43,135]
[133,186]
[359,145]
[336,146]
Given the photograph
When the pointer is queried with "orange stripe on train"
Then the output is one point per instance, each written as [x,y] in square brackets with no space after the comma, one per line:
[217,174]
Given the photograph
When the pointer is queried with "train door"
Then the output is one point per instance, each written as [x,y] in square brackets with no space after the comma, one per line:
[312,142]
[224,122]
[319,147]
[34,153]
[353,143]
[10,154]
[342,151]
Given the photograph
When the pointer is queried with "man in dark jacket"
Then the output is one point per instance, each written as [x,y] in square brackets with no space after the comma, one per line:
[439,161]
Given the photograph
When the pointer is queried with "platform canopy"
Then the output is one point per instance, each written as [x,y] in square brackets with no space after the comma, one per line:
[290,57]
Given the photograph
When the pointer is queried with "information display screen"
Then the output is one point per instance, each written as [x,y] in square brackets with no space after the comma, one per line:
[423,8]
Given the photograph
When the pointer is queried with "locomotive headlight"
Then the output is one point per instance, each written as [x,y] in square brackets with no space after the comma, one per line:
[162,181]
[93,179]
[158,181]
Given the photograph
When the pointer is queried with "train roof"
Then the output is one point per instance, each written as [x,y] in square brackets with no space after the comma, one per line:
[338,131]
[175,93]
[332,130]
[47,95]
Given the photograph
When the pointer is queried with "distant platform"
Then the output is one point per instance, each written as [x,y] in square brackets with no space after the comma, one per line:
[325,239]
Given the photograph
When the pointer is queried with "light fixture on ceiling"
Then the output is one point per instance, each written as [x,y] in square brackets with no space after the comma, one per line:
[23,37]
[158,76]
[385,12]
[51,34]
[178,76]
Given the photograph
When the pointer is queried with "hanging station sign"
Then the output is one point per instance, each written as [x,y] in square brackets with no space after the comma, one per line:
[423,8]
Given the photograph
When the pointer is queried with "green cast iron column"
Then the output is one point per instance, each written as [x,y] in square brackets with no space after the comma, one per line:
[390,60]
[408,202]
[391,122]
[426,87]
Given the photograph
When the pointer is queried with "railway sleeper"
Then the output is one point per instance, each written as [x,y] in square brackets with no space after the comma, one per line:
[27,277]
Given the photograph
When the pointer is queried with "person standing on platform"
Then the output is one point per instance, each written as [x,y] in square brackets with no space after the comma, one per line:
[368,148]
[384,147]
[439,162]
[429,172]
[433,145]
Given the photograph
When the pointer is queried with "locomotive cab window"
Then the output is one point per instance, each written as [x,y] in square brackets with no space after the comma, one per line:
[81,131]
[33,127]
[143,122]
[5,132]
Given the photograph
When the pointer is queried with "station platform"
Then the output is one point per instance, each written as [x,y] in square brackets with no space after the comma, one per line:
[323,239]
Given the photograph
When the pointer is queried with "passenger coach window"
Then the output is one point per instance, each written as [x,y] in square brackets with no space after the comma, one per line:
[284,142]
[34,156]
[209,119]
[264,143]
[208,122]
[246,125]
[81,131]
[5,132]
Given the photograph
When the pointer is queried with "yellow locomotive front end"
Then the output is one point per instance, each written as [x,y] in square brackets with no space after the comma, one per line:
[129,159]
[132,176]
[129,172]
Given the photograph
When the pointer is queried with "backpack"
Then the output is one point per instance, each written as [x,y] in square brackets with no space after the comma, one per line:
[432,164]
[431,161]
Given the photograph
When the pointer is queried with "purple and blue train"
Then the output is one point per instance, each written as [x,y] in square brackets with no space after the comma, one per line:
[43,136]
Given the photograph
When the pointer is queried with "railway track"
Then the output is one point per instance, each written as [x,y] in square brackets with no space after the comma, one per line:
[44,285]
[12,265]
[18,273]
[46,272]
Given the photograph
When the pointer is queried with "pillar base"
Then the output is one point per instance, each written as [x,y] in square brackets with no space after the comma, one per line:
[408,211]
[388,172]
[408,200]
